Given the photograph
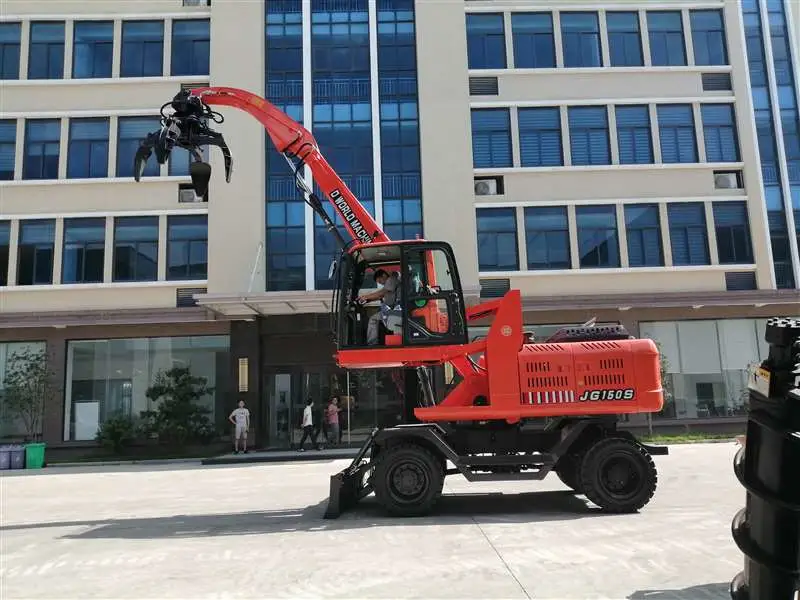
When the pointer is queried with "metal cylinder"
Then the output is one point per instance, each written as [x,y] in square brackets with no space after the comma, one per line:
[767,529]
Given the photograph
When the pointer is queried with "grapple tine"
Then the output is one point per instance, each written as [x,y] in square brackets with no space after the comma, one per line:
[143,155]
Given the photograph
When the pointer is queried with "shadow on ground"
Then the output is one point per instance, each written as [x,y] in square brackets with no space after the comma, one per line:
[453,510]
[708,591]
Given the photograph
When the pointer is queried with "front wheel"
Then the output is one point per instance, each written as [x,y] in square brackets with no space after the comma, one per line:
[618,475]
[408,480]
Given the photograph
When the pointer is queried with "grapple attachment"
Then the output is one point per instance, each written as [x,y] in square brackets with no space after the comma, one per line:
[352,484]
[185,127]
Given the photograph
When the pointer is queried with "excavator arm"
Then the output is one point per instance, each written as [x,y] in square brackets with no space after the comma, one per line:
[187,126]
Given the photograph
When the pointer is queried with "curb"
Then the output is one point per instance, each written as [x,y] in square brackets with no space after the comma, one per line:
[123,463]
[282,458]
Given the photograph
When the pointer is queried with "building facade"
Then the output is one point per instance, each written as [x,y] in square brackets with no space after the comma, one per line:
[635,164]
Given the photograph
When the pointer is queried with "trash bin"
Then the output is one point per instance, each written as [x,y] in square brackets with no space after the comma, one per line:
[34,455]
[17,456]
[5,458]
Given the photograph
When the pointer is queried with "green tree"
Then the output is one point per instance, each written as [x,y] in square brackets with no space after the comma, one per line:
[28,383]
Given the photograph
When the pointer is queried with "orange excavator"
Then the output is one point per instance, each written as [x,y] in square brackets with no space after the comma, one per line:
[510,408]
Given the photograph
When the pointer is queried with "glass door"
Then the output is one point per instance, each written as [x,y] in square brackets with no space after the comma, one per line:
[283,403]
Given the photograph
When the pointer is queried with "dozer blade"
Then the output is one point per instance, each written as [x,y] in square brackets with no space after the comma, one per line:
[348,486]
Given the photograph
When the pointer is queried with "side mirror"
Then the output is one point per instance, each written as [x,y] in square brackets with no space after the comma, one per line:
[332,269]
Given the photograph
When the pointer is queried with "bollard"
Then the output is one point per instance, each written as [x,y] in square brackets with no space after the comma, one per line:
[767,529]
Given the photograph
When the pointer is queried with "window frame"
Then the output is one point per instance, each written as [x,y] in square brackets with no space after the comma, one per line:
[8,148]
[700,228]
[494,234]
[622,40]
[653,34]
[95,46]
[596,40]
[190,243]
[613,251]
[14,49]
[676,130]
[728,232]
[133,246]
[493,132]
[131,46]
[574,115]
[43,174]
[535,39]
[640,231]
[197,70]
[484,60]
[40,250]
[550,232]
[54,64]
[533,129]
[73,144]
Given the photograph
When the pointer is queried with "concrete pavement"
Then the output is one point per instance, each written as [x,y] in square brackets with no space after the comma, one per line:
[256,531]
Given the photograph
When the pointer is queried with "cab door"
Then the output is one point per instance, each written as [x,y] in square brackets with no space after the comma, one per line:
[432,299]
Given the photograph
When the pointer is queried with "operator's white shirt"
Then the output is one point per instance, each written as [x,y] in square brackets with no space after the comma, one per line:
[307,421]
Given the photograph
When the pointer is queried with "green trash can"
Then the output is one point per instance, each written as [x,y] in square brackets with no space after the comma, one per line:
[34,455]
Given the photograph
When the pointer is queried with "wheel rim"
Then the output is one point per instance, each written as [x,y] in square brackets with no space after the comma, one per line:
[408,481]
[621,476]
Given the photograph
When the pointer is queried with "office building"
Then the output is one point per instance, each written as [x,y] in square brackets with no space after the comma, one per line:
[633,163]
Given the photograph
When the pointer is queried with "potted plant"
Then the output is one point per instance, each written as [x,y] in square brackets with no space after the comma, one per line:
[28,383]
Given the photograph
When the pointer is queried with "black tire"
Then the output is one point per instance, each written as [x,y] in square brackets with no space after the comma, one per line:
[568,470]
[618,475]
[408,480]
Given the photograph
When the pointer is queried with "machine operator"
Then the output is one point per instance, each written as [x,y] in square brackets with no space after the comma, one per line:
[388,294]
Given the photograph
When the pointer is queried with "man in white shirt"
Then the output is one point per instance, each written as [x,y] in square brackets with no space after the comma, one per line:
[308,427]
[240,418]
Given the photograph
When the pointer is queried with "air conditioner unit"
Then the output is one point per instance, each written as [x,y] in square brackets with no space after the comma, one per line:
[486,187]
[188,195]
[726,181]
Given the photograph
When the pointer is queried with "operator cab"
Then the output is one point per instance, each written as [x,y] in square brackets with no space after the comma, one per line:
[429,309]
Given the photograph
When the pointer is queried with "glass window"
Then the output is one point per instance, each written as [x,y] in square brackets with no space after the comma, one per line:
[598,240]
[5,247]
[88,148]
[497,239]
[580,35]
[35,252]
[688,233]
[486,44]
[491,138]
[111,378]
[540,137]
[534,40]
[13,429]
[42,146]
[624,39]
[677,134]
[708,37]
[8,148]
[131,133]
[643,230]
[547,237]
[720,132]
[46,50]
[187,247]
[142,49]
[10,37]
[667,44]
[84,250]
[93,49]
[634,135]
[135,248]
[732,226]
[191,46]
[588,133]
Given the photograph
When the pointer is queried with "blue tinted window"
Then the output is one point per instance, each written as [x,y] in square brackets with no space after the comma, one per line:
[42,145]
[8,143]
[135,248]
[547,237]
[534,40]
[708,37]
[588,132]
[93,49]
[35,252]
[540,137]
[88,148]
[191,47]
[84,249]
[634,135]
[624,39]
[187,247]
[491,138]
[142,49]
[580,35]
[667,44]
[132,131]
[497,239]
[5,247]
[732,227]
[598,240]
[720,132]
[677,133]
[643,230]
[486,43]
[46,51]
[688,235]
[10,36]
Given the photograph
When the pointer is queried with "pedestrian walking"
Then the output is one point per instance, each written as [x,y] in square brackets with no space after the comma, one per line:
[308,427]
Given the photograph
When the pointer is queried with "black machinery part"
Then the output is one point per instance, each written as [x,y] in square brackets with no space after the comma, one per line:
[767,529]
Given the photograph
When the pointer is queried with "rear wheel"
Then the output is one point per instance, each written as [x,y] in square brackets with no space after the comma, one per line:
[408,480]
[618,475]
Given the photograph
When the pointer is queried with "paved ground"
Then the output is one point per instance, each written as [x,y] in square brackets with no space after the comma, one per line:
[255,531]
